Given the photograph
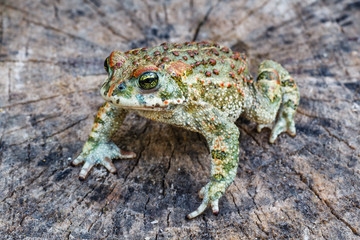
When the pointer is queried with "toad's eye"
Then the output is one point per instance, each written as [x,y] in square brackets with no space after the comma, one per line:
[106,64]
[148,80]
[268,75]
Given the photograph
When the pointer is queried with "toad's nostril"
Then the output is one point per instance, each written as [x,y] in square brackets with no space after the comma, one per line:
[122,86]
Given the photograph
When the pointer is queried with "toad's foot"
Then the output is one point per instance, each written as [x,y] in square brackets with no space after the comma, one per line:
[100,153]
[210,194]
[284,123]
[261,126]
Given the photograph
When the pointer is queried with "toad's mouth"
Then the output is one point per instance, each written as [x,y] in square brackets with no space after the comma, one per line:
[146,108]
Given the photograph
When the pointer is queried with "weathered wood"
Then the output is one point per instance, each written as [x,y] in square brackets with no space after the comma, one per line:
[51,65]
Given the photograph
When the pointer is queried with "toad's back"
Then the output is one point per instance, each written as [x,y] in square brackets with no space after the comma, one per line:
[214,74]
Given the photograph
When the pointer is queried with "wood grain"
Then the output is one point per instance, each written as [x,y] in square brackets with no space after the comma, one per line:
[51,66]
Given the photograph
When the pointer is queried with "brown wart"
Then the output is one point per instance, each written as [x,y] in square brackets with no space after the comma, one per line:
[178,69]
[137,72]
[115,58]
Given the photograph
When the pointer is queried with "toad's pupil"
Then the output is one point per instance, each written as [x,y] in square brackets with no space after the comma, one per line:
[149,80]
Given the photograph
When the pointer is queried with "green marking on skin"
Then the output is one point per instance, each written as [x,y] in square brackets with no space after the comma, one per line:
[287,83]
[99,120]
[110,114]
[290,104]
[141,99]
[218,177]
[127,92]
[106,87]
[91,139]
[165,95]
[228,166]
[218,154]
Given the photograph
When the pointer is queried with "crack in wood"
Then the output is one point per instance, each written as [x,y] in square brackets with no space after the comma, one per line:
[233,199]
[21,187]
[168,219]
[73,36]
[51,135]
[103,208]
[208,234]
[249,13]
[198,160]
[140,153]
[259,224]
[136,164]
[310,115]
[67,127]
[23,218]
[91,224]
[165,13]
[148,8]
[250,135]
[67,236]
[105,23]
[33,123]
[145,208]
[12,193]
[306,226]
[325,202]
[326,129]
[338,138]
[253,11]
[163,184]
[49,97]
[105,237]
[82,199]
[9,85]
[327,100]
[202,22]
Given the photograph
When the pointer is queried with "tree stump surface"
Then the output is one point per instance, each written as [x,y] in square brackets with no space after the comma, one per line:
[51,67]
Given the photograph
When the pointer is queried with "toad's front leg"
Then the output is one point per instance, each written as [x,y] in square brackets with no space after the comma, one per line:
[99,149]
[222,136]
[224,147]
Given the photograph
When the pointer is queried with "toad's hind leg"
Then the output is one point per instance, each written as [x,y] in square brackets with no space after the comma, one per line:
[284,122]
